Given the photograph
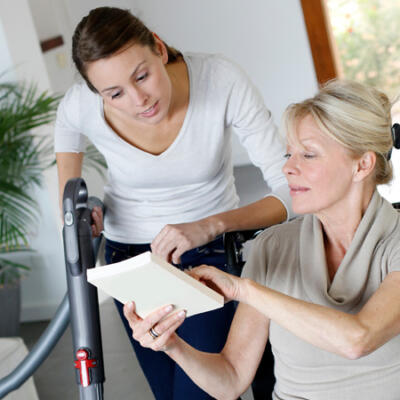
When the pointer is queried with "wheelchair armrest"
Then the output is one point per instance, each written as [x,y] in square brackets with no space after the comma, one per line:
[233,245]
[396,206]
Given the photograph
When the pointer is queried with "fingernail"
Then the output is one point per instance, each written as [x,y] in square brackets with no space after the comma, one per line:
[130,306]
[182,314]
[168,308]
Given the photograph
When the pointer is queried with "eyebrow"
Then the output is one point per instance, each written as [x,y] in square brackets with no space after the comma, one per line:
[132,74]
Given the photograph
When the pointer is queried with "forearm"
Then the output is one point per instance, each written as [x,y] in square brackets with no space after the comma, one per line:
[324,327]
[211,372]
[260,214]
[69,165]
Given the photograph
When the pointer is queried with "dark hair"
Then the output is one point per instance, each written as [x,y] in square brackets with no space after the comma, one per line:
[107,30]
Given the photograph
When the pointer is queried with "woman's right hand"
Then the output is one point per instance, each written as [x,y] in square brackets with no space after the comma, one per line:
[157,330]
[97,225]
[230,286]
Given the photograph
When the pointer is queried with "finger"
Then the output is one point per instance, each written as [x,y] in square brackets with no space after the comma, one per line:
[130,312]
[166,323]
[97,216]
[203,271]
[153,319]
[160,237]
[172,238]
[96,224]
[99,212]
[165,248]
[168,329]
[176,254]
[94,231]
[131,316]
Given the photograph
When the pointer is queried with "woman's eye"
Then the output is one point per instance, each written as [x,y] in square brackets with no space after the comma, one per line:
[309,155]
[287,156]
[142,77]
[115,95]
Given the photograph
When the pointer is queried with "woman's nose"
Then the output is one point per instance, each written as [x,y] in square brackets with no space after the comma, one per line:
[139,96]
[290,167]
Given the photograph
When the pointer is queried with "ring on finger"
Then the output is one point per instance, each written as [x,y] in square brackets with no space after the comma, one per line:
[153,333]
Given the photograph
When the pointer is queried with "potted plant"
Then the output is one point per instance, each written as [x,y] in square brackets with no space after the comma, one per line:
[23,156]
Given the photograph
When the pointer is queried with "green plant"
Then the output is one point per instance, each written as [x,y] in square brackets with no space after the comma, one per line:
[23,157]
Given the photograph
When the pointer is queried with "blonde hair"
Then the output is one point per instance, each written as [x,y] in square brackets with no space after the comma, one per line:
[355,115]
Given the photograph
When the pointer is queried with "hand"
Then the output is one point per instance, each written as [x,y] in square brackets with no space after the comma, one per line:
[97,226]
[163,322]
[174,240]
[228,285]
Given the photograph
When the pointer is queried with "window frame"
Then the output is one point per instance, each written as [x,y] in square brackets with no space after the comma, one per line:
[322,42]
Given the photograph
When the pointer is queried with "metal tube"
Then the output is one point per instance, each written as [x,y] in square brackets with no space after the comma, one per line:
[39,352]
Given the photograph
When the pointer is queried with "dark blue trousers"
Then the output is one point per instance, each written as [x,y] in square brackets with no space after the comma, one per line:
[205,332]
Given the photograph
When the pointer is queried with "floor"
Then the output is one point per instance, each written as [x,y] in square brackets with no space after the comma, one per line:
[124,378]
[55,378]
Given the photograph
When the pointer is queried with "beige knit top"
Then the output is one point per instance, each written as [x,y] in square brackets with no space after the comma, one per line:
[290,258]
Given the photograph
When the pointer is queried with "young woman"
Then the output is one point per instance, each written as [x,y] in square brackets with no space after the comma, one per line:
[162,120]
[324,288]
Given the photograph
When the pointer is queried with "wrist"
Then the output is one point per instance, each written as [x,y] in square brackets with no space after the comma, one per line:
[245,287]
[175,349]
[215,225]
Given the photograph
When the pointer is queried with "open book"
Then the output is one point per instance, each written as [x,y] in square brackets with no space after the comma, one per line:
[152,283]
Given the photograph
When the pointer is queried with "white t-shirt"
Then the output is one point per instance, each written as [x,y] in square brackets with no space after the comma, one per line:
[193,178]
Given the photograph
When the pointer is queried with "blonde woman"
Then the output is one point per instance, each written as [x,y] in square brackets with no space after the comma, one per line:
[324,288]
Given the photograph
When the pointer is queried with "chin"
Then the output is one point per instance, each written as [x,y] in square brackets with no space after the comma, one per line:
[302,208]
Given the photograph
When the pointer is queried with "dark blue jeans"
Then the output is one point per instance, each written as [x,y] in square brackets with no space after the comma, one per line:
[205,332]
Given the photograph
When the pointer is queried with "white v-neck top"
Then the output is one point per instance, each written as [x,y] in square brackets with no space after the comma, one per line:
[290,258]
[193,178]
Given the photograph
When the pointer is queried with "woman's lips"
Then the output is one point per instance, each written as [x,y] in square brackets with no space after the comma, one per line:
[150,112]
[295,190]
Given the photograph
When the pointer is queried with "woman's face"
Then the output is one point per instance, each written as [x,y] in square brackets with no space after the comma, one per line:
[134,82]
[318,169]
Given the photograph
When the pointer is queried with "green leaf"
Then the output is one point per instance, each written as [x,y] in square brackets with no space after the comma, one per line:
[23,158]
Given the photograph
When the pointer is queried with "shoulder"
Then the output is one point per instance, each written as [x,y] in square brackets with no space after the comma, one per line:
[271,248]
[217,64]
[78,95]
[79,100]
[282,235]
[77,107]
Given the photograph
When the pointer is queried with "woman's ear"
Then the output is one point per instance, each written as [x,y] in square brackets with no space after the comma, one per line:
[161,48]
[364,166]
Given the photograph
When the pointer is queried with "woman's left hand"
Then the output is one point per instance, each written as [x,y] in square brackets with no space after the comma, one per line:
[157,330]
[174,240]
[230,286]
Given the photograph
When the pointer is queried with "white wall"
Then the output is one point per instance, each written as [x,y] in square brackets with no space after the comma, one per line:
[45,285]
[6,64]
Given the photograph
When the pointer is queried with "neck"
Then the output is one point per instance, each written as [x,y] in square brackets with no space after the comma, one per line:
[340,222]
[179,77]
